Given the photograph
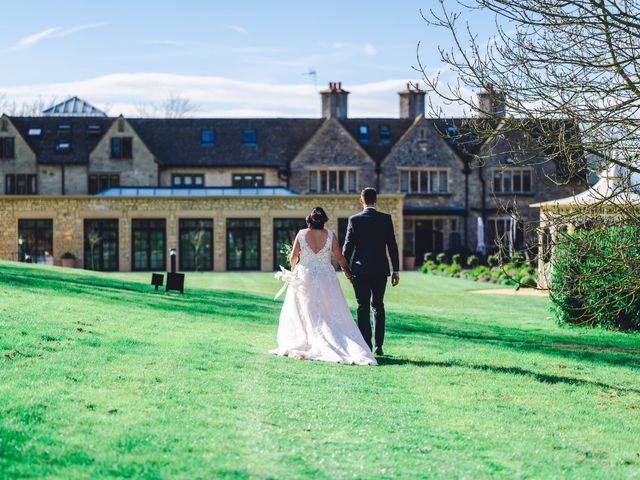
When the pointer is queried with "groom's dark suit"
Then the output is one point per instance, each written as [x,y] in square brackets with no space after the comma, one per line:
[369,235]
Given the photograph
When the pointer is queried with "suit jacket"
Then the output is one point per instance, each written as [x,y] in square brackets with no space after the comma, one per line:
[369,235]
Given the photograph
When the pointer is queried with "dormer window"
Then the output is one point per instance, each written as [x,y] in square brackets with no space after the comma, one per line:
[121,147]
[35,132]
[249,137]
[63,146]
[385,134]
[94,131]
[207,138]
[363,134]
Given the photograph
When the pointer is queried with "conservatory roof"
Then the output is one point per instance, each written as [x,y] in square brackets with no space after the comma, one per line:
[196,192]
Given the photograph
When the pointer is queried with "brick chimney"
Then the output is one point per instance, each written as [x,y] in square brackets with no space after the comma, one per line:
[334,101]
[411,102]
[491,102]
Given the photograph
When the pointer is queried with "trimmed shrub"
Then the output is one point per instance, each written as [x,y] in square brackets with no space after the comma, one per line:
[492,261]
[518,258]
[453,270]
[473,261]
[442,258]
[456,259]
[594,278]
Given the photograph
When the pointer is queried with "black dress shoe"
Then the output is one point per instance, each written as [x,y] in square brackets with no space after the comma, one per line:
[379,351]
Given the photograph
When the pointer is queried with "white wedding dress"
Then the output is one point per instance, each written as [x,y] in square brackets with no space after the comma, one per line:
[315,321]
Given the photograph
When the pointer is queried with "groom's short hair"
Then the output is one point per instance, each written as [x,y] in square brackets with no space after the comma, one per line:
[369,195]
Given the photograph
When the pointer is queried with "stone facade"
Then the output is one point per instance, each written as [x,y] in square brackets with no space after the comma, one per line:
[68,214]
[341,154]
[141,170]
[332,147]
[24,161]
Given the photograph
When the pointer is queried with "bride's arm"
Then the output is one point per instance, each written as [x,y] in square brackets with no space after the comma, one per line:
[293,258]
[342,261]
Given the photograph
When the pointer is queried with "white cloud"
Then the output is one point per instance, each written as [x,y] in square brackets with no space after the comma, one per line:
[79,28]
[31,40]
[54,32]
[215,96]
[238,28]
[369,50]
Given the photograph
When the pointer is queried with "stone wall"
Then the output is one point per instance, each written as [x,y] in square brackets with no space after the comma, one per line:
[25,160]
[139,171]
[332,147]
[68,214]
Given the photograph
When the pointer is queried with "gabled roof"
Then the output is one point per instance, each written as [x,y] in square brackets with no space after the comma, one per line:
[176,142]
[376,147]
[616,187]
[42,133]
[460,134]
[73,107]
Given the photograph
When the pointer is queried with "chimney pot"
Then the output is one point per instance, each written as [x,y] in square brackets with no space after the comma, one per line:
[412,101]
[334,101]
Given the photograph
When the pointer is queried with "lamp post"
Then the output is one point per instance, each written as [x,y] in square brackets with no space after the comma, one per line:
[172,256]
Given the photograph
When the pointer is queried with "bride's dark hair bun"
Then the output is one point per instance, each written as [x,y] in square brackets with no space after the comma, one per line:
[317,218]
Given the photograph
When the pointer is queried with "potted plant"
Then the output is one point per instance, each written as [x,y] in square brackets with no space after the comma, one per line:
[68,260]
[408,260]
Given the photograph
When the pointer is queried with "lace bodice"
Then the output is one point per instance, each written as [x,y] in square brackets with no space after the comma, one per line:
[316,261]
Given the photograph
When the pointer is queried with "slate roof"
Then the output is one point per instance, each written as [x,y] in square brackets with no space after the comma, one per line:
[73,107]
[376,147]
[44,143]
[176,142]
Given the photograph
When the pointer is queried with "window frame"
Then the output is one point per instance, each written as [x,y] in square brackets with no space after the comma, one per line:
[343,175]
[363,133]
[212,142]
[125,147]
[521,171]
[13,185]
[193,179]
[248,142]
[5,151]
[112,181]
[426,174]
[251,177]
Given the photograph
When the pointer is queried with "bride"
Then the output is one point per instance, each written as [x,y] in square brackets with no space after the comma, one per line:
[315,321]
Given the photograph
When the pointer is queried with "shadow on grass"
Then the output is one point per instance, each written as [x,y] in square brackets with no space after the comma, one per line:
[244,307]
[583,349]
[237,305]
[539,377]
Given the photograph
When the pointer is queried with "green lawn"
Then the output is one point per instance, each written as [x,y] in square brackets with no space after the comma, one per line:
[100,376]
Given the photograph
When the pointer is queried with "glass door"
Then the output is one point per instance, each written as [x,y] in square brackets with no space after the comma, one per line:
[243,244]
[35,241]
[149,244]
[196,244]
[101,245]
[284,232]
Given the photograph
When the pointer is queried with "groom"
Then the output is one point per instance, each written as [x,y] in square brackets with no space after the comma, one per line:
[369,236]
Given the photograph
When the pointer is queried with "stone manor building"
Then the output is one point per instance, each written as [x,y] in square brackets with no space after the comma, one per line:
[118,193]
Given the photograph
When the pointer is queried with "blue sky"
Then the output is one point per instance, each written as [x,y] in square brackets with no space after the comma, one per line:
[246,58]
